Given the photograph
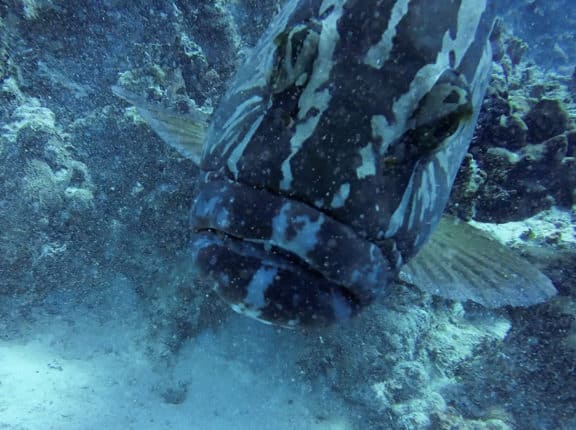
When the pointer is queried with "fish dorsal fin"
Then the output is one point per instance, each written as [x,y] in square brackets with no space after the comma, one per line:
[463,263]
[185,133]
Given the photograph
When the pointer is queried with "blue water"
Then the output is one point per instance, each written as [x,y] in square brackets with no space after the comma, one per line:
[105,324]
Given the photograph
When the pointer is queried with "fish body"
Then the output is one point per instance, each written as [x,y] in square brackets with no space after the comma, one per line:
[330,159]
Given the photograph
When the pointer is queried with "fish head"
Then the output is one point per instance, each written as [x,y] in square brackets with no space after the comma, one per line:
[331,157]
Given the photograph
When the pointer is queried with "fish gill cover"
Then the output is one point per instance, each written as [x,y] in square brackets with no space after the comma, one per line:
[99,302]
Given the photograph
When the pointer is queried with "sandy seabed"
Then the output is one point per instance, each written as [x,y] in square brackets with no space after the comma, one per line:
[87,373]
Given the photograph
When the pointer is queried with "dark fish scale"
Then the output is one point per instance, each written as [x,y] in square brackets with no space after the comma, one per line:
[363,28]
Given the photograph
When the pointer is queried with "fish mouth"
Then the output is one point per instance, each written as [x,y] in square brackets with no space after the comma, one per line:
[280,260]
[268,286]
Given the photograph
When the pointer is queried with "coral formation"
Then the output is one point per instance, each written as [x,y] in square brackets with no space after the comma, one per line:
[525,132]
[44,184]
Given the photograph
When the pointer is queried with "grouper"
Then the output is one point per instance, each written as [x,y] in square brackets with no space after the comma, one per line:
[328,163]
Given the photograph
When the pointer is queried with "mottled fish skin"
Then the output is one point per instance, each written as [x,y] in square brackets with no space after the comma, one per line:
[332,155]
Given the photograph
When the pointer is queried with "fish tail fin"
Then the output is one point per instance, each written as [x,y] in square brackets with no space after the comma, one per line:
[460,262]
[185,133]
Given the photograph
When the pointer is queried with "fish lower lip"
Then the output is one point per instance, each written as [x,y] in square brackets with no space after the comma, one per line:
[270,286]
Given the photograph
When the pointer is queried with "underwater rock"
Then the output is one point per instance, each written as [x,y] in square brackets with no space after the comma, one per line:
[525,374]
[504,44]
[517,183]
[511,132]
[31,137]
[524,133]
[546,119]
[66,187]
[516,48]
[408,351]
[452,420]
[192,67]
[28,122]
[46,206]
[195,63]
[213,27]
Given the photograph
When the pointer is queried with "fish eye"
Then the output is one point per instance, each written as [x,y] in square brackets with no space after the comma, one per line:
[430,137]
[441,111]
[296,50]
[445,127]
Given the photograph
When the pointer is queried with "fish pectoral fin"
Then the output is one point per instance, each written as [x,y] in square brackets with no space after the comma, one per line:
[185,133]
[460,262]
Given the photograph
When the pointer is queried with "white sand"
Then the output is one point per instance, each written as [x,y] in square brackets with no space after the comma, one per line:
[91,371]
[553,226]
